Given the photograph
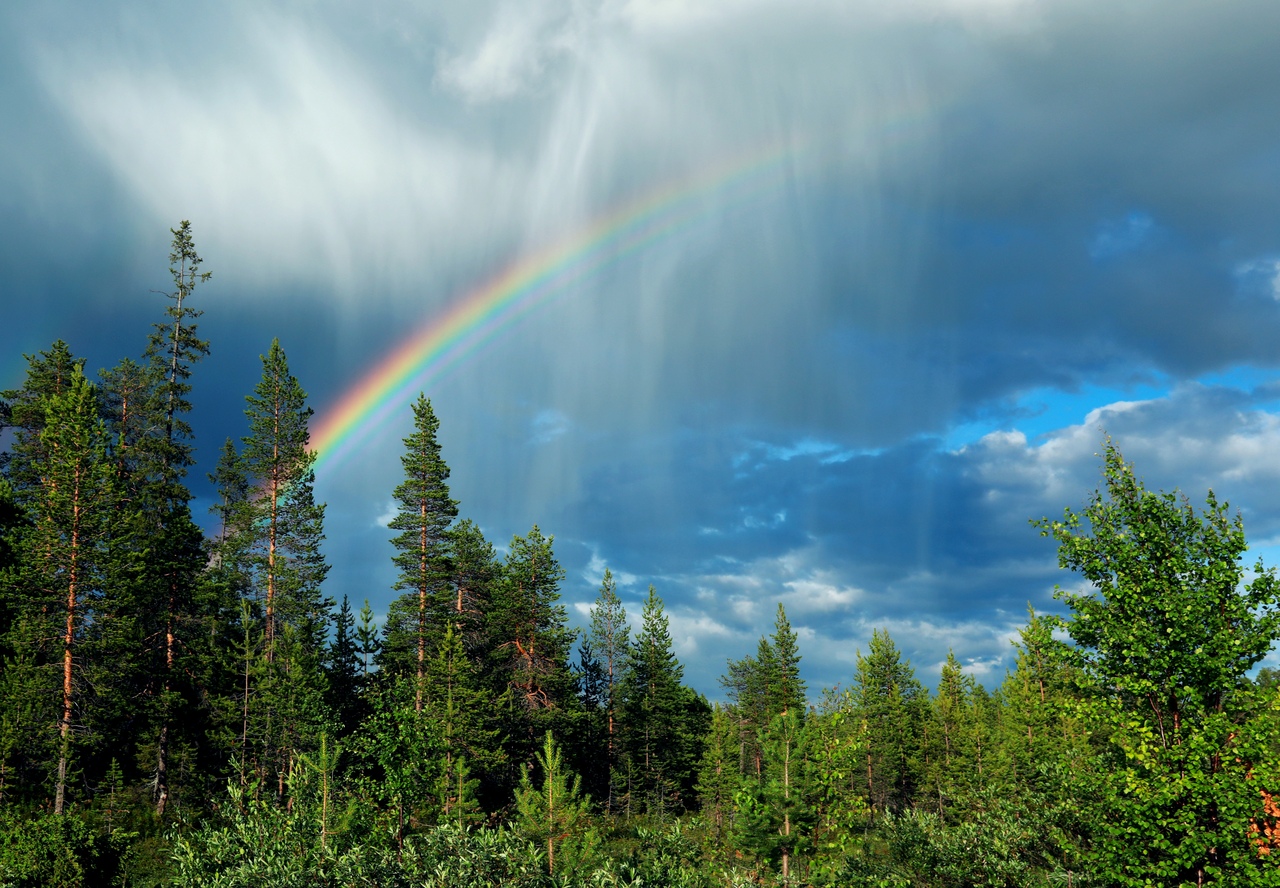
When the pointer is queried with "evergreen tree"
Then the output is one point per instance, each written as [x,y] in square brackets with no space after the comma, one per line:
[459,707]
[891,705]
[719,775]
[280,524]
[952,738]
[651,708]
[367,644]
[609,640]
[48,374]
[422,550]
[171,351]
[553,813]
[65,558]
[277,536]
[788,688]
[777,811]
[530,642]
[1040,737]
[475,574]
[343,669]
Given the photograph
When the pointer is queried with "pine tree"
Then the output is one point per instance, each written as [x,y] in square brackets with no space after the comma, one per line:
[278,531]
[281,522]
[65,550]
[753,687]
[553,812]
[1039,734]
[171,351]
[719,776]
[475,574]
[777,811]
[609,641]
[458,705]
[531,639]
[951,753]
[422,547]
[148,406]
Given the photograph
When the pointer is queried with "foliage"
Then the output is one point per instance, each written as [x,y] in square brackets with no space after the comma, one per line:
[1163,645]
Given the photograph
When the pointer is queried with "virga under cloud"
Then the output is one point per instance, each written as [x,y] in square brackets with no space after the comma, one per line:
[848,393]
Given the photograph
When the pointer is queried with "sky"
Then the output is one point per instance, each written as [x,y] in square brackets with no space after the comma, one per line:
[905,265]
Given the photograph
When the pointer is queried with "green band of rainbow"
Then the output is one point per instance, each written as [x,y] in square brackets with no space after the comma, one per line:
[481,314]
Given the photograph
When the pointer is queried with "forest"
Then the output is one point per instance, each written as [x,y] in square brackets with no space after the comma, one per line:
[189,708]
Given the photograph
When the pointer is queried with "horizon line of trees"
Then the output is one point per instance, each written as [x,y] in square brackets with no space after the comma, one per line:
[192,710]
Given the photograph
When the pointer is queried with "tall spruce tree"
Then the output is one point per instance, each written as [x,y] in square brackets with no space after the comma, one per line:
[609,642]
[175,551]
[787,693]
[343,668]
[49,373]
[652,707]
[424,514]
[891,704]
[367,643]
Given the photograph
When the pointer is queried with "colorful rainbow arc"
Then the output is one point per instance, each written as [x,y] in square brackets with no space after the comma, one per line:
[477,317]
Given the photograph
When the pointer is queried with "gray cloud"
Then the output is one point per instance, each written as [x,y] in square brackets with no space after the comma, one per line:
[981,200]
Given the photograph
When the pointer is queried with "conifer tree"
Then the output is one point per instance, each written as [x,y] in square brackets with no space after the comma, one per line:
[459,706]
[651,711]
[951,751]
[891,706]
[49,373]
[719,776]
[65,549]
[422,549]
[788,691]
[475,572]
[553,812]
[609,642]
[531,640]
[367,644]
[278,531]
[343,669]
[777,811]
[280,523]
[175,550]
[755,689]
[1040,737]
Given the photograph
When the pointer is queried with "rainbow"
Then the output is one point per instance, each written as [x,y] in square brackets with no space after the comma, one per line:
[479,315]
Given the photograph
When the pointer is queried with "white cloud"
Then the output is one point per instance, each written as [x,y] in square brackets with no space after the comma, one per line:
[511,55]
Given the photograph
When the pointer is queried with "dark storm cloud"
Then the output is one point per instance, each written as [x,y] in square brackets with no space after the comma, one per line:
[984,200]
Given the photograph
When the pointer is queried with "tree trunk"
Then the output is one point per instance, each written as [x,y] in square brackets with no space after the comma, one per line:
[68,639]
